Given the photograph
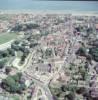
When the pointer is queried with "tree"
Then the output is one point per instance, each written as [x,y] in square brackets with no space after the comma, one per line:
[8,84]
[26,51]
[89,30]
[81,51]
[23,57]
[22,48]
[22,87]
[63,88]
[17,77]
[16,42]
[83,74]
[15,47]
[11,51]
[48,52]
[5,53]
[7,70]
[2,63]
[12,84]
[33,45]
[89,58]
[79,28]
[71,96]
[80,90]
[94,43]
[1,53]
[94,53]
[24,27]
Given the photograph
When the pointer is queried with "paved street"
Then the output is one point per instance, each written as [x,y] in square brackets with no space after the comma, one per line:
[42,85]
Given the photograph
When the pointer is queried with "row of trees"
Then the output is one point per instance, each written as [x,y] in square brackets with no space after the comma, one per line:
[7,53]
[21,48]
[24,27]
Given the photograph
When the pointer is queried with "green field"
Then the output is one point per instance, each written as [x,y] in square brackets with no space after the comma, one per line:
[5,37]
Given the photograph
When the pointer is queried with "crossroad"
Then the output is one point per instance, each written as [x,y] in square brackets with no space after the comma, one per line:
[42,85]
[35,80]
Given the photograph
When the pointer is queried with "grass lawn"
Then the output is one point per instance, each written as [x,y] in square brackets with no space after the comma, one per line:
[5,37]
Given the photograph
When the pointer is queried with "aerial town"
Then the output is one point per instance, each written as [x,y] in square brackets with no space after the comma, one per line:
[48,56]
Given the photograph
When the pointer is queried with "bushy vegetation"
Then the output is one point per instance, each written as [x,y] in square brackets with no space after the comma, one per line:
[2,63]
[13,84]
[66,92]
[94,52]
[81,51]
[48,52]
[7,53]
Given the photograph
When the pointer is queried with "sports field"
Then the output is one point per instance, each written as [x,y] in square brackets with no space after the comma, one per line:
[6,37]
